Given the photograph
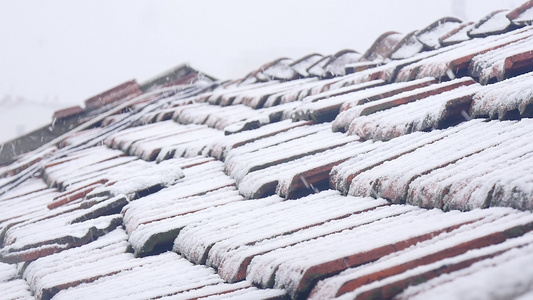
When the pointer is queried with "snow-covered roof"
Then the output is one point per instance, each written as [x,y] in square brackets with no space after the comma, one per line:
[403,172]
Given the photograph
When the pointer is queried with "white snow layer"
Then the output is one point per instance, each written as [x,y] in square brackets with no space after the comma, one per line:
[468,151]
[431,37]
[439,64]
[493,24]
[447,245]
[506,276]
[497,99]
[494,63]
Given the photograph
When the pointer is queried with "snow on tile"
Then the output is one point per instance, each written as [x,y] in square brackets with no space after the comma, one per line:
[334,98]
[101,207]
[229,241]
[501,99]
[234,155]
[196,179]
[195,240]
[373,154]
[263,117]
[92,174]
[383,101]
[497,63]
[30,240]
[251,293]
[146,176]
[382,46]
[310,171]
[11,285]
[243,238]
[298,267]
[312,88]
[82,136]
[56,174]
[407,47]
[189,140]
[258,97]
[457,35]
[28,187]
[221,148]
[125,138]
[19,208]
[342,58]
[208,290]
[456,58]
[16,289]
[279,69]
[430,35]
[24,162]
[248,162]
[505,276]
[472,139]
[299,176]
[484,232]
[342,91]
[218,117]
[319,68]
[301,65]
[126,277]
[319,108]
[75,265]
[227,94]
[494,176]
[157,223]
[522,15]
[365,212]
[494,23]
[299,92]
[149,218]
[421,115]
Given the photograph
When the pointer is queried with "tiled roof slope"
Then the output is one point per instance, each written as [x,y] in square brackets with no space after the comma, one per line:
[403,172]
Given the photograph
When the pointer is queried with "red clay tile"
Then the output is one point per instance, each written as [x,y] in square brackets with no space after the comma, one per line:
[68,112]
[383,46]
[457,35]
[431,35]
[127,90]
[494,23]
[422,93]
[518,15]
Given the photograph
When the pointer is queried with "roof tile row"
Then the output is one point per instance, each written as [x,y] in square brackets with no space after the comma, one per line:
[83,219]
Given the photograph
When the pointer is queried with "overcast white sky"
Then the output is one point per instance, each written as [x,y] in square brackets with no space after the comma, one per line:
[66,51]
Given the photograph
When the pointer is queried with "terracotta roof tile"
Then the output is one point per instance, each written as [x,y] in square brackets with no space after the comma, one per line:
[457,35]
[382,47]
[318,69]
[483,265]
[521,16]
[494,23]
[431,35]
[122,92]
[387,284]
[497,65]
[407,47]
[68,112]
[412,191]
[456,60]
[351,114]
[12,286]
[336,66]
[509,99]
[436,111]
[302,64]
